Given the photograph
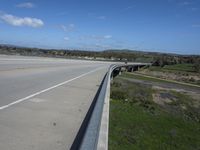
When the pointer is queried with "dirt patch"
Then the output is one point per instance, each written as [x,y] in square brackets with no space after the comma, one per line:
[194,95]
[176,76]
[163,98]
[196,99]
[171,89]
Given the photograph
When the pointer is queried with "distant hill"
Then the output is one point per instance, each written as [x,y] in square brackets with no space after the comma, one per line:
[109,55]
[144,52]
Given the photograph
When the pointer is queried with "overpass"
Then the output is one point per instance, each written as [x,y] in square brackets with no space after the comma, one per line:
[51,103]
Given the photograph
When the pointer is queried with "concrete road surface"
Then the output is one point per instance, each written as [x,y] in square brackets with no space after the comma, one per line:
[43,101]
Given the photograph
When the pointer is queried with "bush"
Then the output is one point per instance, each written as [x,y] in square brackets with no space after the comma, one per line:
[118,94]
[192,79]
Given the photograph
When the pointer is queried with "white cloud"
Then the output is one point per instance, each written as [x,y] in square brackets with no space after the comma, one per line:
[66,38]
[185,3]
[98,38]
[68,28]
[129,7]
[194,9]
[18,21]
[25,5]
[107,36]
[196,25]
[101,17]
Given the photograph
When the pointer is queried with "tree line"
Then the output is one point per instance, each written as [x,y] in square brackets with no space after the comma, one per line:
[157,59]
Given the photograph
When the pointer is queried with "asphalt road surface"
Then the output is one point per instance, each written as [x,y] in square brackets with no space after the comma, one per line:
[43,101]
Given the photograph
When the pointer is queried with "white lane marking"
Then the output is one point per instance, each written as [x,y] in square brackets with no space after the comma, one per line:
[48,89]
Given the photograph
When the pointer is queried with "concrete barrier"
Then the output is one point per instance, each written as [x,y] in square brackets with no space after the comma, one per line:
[94,135]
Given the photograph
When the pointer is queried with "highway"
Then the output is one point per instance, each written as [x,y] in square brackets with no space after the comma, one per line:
[43,101]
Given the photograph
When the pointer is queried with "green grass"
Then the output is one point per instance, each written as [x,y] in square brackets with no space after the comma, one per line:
[141,77]
[131,127]
[155,68]
[144,78]
[155,79]
[174,68]
[191,112]
[180,67]
[136,122]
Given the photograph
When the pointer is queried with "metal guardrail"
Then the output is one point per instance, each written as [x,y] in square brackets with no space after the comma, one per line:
[93,133]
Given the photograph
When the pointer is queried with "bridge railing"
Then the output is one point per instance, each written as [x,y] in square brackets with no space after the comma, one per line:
[93,134]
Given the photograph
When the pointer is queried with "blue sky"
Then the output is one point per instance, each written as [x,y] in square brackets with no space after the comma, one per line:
[152,25]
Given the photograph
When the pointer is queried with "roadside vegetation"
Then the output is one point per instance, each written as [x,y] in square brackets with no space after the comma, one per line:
[188,73]
[181,67]
[175,68]
[147,77]
[147,116]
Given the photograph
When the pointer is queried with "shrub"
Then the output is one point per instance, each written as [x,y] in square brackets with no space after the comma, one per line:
[118,95]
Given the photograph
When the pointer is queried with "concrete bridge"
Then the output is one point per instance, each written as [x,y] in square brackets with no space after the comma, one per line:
[48,103]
